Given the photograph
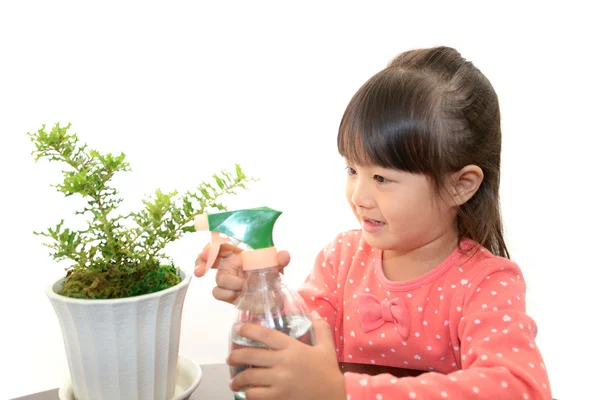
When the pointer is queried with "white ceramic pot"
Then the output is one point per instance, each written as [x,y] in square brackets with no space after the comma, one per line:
[122,349]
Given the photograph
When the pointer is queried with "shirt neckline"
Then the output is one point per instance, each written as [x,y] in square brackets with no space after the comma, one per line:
[424,279]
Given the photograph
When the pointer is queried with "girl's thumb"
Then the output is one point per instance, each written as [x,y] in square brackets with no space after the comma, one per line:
[323,335]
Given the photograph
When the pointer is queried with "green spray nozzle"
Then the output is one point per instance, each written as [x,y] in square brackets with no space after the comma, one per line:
[252,226]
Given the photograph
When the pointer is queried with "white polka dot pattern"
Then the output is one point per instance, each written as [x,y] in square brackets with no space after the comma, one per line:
[468,312]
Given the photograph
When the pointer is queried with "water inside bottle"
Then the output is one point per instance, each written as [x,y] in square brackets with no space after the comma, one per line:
[298,326]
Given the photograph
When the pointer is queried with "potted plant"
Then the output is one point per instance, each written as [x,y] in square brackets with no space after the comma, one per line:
[119,304]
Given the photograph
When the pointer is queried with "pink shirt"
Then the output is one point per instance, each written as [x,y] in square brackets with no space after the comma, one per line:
[464,322]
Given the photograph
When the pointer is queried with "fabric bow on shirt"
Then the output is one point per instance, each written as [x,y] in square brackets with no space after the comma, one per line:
[373,313]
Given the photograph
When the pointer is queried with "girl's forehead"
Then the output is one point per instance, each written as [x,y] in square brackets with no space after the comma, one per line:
[360,157]
[356,153]
[363,161]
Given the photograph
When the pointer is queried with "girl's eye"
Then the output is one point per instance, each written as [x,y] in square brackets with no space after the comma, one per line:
[351,171]
[380,179]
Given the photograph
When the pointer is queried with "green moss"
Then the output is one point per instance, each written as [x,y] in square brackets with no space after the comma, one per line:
[118,282]
[120,255]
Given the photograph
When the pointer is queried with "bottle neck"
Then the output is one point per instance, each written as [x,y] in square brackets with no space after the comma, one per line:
[262,279]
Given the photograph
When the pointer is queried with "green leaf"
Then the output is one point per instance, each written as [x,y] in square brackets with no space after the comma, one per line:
[119,255]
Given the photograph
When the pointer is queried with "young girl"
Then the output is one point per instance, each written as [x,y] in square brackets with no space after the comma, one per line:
[427,283]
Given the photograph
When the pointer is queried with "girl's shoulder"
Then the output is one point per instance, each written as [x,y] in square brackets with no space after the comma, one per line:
[476,258]
[347,243]
[476,265]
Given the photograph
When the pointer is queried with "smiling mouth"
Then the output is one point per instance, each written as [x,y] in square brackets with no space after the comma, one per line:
[373,222]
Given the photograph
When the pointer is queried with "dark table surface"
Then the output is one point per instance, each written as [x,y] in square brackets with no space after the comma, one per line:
[215,381]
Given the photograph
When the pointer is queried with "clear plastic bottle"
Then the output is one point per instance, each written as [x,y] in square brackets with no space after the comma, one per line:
[267,301]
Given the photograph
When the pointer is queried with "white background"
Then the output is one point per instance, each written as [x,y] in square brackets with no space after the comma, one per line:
[187,89]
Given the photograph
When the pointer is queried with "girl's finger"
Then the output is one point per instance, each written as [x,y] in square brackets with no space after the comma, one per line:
[227,280]
[271,338]
[200,264]
[283,259]
[253,356]
[225,295]
[253,377]
[225,250]
[199,270]
[203,254]
[262,393]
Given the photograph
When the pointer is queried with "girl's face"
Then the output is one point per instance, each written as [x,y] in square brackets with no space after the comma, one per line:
[397,210]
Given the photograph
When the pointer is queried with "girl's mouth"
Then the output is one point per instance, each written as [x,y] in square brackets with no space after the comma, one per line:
[372,225]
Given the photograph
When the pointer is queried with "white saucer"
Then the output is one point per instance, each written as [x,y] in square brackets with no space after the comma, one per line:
[187,380]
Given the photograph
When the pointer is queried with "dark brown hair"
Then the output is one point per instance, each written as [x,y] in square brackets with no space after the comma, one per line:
[430,111]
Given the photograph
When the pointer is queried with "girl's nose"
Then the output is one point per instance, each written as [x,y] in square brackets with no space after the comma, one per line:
[361,196]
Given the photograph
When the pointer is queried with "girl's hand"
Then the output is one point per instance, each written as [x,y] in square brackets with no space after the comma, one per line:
[230,277]
[290,369]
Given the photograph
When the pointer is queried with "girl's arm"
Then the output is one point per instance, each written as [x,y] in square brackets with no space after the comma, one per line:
[319,290]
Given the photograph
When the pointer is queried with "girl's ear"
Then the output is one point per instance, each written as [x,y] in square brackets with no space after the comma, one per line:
[465,183]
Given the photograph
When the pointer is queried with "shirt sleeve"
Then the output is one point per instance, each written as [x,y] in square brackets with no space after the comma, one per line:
[320,289]
[497,349]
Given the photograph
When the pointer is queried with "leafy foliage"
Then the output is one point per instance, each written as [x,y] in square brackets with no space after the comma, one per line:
[120,255]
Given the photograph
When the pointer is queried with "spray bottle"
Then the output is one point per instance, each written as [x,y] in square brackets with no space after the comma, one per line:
[265,299]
